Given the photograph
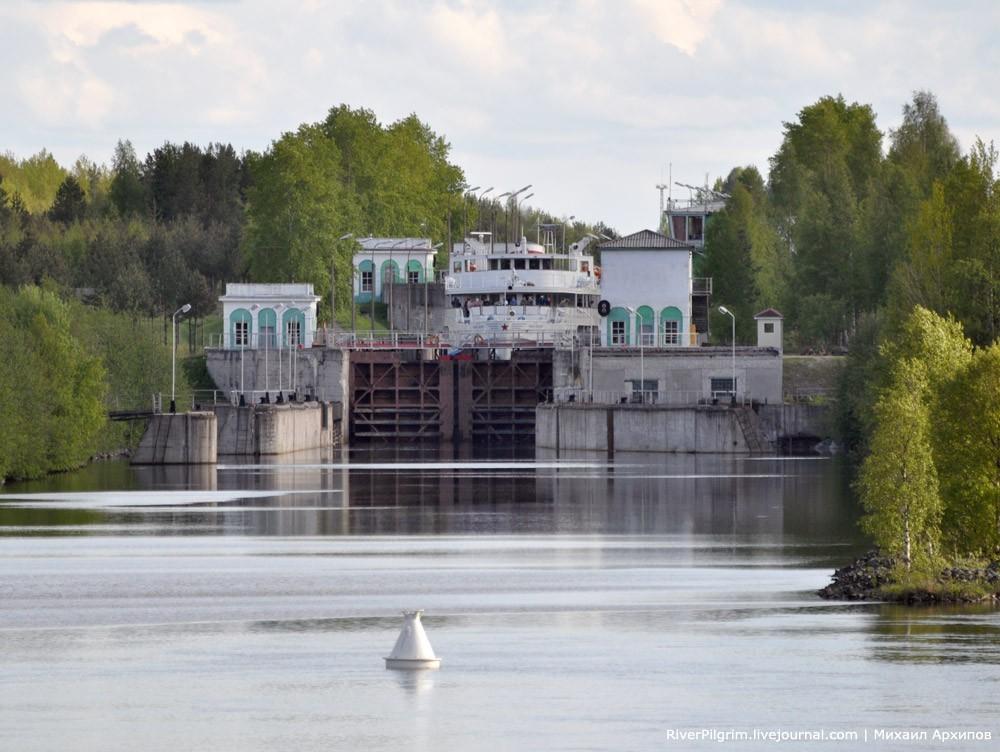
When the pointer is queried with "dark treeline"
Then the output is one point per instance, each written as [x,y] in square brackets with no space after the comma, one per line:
[137,236]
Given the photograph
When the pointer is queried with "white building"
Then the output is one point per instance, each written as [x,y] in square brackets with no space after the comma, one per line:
[769,332]
[646,280]
[268,316]
[404,260]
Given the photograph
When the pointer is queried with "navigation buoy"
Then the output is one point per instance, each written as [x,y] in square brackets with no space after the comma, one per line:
[412,649]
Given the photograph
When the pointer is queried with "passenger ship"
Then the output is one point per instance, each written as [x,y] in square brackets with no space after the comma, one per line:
[523,293]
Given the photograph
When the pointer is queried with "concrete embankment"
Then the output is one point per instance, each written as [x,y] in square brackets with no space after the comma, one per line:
[253,430]
[263,430]
[663,428]
[178,439]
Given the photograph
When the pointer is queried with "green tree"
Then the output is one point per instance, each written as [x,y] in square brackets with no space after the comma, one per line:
[820,177]
[967,453]
[128,194]
[51,389]
[898,481]
[742,252]
[70,202]
[295,210]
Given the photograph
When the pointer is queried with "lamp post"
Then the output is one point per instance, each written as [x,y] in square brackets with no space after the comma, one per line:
[465,211]
[512,200]
[642,362]
[493,223]
[731,315]
[426,313]
[333,281]
[173,356]
[479,201]
[517,213]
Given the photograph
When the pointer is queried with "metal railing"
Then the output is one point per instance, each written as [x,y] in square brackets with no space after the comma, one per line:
[673,397]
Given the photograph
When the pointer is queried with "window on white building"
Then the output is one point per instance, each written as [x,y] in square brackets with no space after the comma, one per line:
[267,338]
[769,328]
[413,277]
[366,281]
[242,331]
[646,332]
[618,333]
[671,333]
[293,333]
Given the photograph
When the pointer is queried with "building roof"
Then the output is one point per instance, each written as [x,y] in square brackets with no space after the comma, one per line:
[645,240]
[281,291]
[769,313]
[396,244]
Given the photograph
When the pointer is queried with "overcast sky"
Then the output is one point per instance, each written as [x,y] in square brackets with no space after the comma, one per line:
[589,101]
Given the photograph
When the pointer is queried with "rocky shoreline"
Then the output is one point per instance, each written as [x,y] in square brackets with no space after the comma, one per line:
[874,577]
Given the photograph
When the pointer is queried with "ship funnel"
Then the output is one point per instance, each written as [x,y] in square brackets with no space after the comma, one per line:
[412,649]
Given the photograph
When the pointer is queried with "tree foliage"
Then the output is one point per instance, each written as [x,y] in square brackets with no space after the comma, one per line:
[51,390]
[922,487]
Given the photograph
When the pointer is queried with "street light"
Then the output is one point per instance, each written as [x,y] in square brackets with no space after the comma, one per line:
[333,282]
[493,225]
[729,313]
[642,362]
[517,212]
[173,357]
[513,203]
[426,314]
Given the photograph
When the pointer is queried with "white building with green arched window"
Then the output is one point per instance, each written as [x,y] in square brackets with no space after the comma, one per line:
[268,316]
[646,279]
[381,260]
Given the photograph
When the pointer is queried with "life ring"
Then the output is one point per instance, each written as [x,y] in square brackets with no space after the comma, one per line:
[433,340]
[479,339]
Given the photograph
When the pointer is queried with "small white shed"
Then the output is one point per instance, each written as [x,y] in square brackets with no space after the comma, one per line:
[769,325]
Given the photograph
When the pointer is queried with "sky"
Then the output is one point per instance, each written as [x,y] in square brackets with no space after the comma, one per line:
[593,102]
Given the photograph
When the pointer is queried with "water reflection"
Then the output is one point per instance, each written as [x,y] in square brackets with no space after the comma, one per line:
[936,635]
[419,491]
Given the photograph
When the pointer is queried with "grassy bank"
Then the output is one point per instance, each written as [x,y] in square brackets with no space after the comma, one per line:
[879,578]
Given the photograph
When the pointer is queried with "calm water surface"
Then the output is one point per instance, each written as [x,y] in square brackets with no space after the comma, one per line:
[577,604]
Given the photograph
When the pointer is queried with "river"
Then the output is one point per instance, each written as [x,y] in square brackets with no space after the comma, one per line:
[647,603]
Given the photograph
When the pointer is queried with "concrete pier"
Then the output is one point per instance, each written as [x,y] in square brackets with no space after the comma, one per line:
[713,429]
[264,430]
[178,439]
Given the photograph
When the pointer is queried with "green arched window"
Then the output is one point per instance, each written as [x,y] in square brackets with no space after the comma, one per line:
[414,272]
[240,324]
[293,327]
[366,281]
[671,327]
[645,328]
[267,328]
[390,272]
[618,327]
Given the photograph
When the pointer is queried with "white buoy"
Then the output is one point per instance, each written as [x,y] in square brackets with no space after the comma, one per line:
[412,650]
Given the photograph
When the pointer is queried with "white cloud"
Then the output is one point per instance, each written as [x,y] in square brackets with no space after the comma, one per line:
[588,100]
[681,23]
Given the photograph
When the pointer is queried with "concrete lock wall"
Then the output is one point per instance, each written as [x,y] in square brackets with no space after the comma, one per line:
[682,375]
[318,371]
[641,428]
[178,439]
[262,430]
